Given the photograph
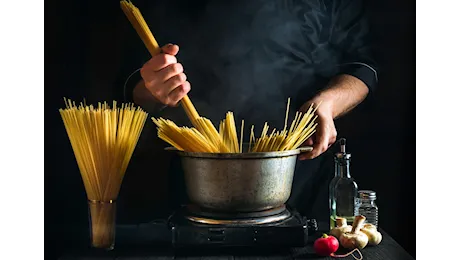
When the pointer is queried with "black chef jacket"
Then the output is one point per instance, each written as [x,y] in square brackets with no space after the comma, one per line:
[246,56]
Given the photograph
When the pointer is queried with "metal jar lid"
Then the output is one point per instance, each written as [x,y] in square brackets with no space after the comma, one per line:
[367,194]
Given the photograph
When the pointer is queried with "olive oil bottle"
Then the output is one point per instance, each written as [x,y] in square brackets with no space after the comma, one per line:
[343,190]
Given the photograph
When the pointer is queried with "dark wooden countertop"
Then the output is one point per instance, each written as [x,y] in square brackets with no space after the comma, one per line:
[152,242]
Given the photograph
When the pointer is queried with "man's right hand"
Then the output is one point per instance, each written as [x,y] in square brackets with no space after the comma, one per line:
[164,78]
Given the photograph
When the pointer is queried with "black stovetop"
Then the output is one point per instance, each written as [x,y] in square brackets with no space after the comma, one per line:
[290,232]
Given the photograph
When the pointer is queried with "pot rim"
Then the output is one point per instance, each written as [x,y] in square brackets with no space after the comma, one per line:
[260,155]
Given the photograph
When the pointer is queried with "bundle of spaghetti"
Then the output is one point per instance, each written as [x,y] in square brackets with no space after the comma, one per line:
[302,127]
[228,135]
[183,138]
[103,140]
[208,140]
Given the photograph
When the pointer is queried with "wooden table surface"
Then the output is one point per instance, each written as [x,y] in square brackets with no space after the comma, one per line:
[152,242]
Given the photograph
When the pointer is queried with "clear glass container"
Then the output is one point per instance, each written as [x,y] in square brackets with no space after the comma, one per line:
[343,190]
[102,223]
[368,207]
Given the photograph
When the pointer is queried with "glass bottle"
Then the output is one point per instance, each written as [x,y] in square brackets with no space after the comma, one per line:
[343,190]
[368,207]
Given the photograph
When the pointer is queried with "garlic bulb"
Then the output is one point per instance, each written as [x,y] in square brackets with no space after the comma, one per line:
[355,238]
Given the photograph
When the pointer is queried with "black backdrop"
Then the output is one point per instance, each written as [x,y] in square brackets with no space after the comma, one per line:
[83,42]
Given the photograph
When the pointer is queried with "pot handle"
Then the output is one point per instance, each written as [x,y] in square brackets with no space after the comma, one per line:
[171,149]
[305,149]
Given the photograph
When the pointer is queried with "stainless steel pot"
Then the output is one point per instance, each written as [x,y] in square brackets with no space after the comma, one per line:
[245,182]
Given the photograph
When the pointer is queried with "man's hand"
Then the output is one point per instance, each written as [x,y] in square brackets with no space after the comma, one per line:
[343,94]
[163,78]
[325,134]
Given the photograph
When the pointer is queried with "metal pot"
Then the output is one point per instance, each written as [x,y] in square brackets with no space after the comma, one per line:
[243,182]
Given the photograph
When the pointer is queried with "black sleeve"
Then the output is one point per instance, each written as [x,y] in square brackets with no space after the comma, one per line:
[351,36]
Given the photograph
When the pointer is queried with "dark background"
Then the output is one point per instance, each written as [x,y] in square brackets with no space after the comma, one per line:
[83,42]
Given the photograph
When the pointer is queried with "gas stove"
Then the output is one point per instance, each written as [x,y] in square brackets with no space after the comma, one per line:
[279,227]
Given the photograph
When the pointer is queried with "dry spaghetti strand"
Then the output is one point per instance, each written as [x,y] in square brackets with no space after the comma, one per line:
[103,140]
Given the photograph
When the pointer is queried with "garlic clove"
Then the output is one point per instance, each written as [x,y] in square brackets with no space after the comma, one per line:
[338,231]
[369,226]
[354,240]
[374,236]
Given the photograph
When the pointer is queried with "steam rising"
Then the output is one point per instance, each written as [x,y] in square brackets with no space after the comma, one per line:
[250,57]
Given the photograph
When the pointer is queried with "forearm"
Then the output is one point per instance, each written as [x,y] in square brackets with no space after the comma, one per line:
[344,92]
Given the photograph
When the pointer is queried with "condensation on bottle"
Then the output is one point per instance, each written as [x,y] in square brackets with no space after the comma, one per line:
[368,207]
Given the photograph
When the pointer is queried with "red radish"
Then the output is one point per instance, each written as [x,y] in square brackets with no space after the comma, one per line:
[326,245]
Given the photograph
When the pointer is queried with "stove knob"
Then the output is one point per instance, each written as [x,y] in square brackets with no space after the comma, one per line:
[312,225]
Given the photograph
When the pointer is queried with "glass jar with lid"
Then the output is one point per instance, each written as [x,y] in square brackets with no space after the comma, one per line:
[368,207]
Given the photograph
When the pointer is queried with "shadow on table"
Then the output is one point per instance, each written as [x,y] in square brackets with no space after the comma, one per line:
[194,252]
[119,251]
